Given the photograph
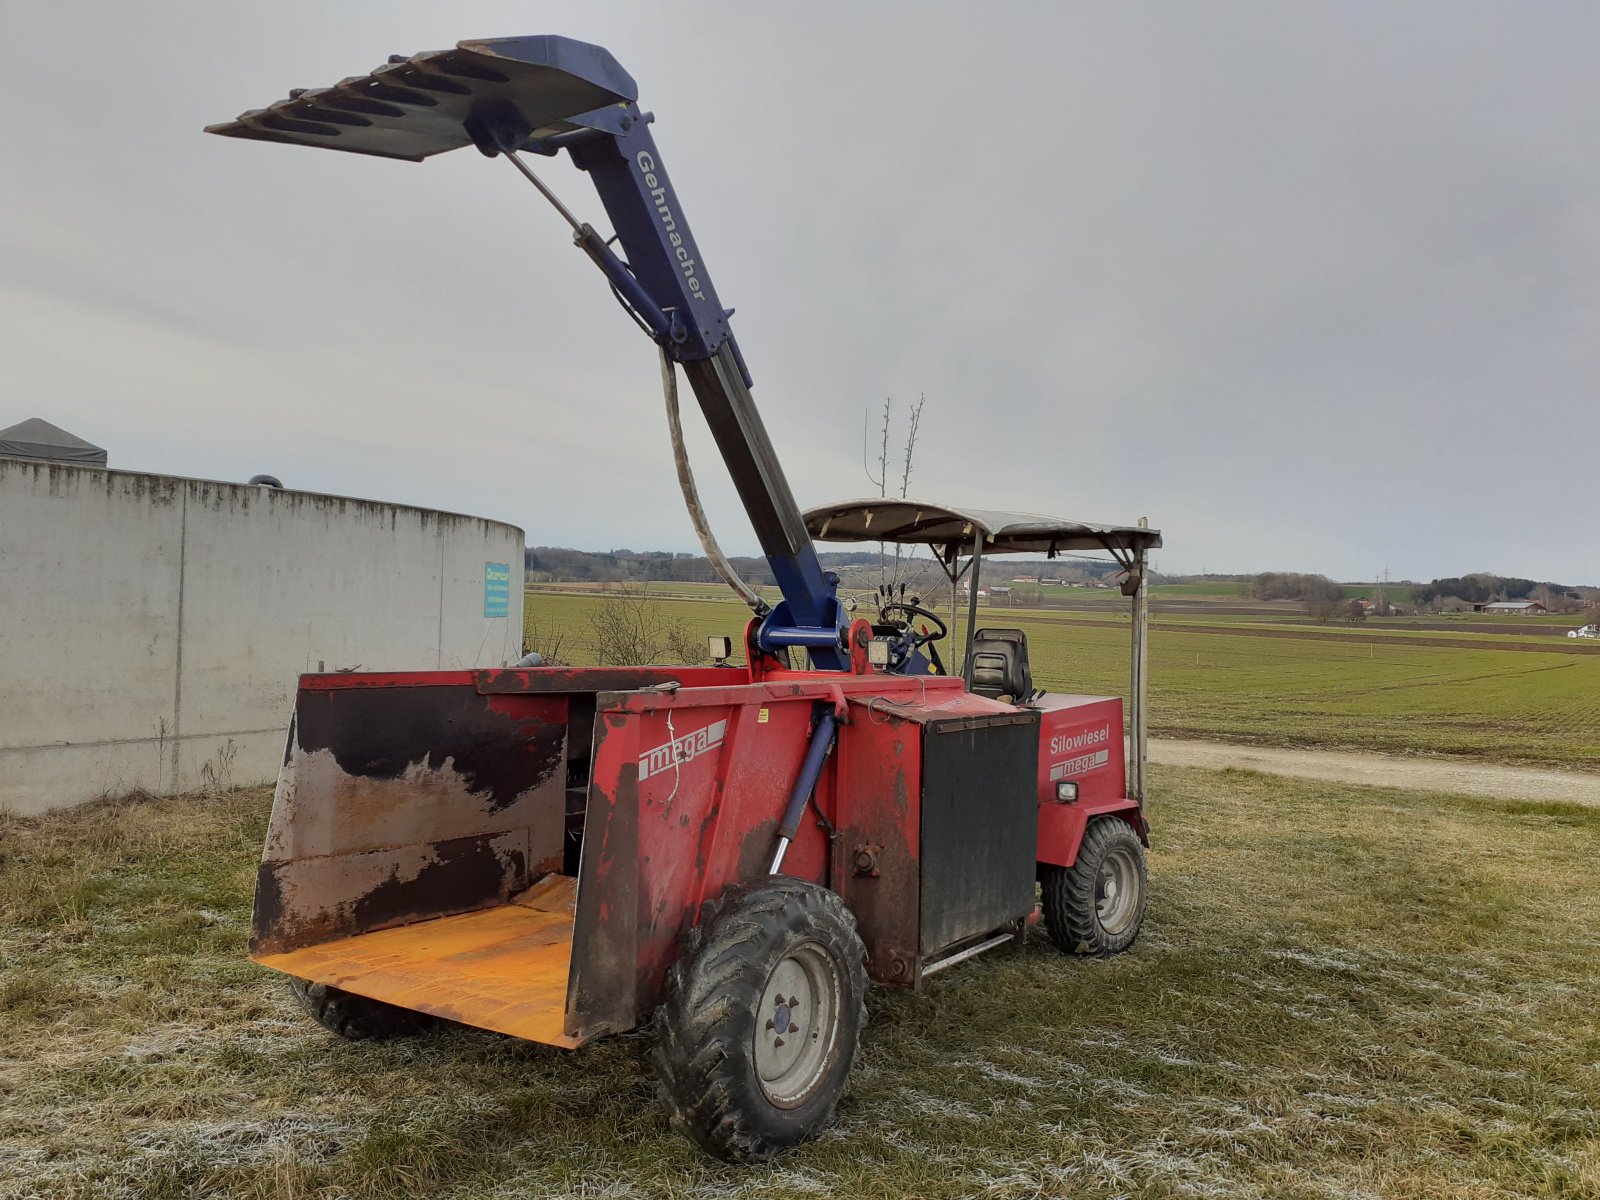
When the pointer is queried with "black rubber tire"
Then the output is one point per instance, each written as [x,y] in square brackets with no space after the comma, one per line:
[356,1018]
[1072,894]
[705,1054]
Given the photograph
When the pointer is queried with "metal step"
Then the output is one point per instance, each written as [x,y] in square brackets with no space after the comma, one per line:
[962,955]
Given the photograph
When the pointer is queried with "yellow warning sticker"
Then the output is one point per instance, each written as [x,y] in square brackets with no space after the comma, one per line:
[761,717]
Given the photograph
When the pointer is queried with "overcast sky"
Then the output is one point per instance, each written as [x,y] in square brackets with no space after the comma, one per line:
[1312,287]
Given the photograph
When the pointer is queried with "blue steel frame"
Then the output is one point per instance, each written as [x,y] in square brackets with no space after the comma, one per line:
[546,94]
[664,279]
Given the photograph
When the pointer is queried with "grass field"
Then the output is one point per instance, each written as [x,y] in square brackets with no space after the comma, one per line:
[1396,690]
[1217,590]
[1340,993]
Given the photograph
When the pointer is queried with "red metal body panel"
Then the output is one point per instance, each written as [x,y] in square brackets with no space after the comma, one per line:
[1080,740]
[686,792]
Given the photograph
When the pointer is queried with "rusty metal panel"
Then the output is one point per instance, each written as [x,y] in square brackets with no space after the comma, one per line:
[877,814]
[406,797]
[305,901]
[603,988]
[511,680]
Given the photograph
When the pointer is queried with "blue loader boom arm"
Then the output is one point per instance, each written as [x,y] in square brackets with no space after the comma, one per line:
[546,95]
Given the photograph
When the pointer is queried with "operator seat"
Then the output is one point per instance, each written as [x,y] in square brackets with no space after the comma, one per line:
[1000,665]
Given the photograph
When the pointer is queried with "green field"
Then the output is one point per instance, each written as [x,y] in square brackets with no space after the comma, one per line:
[1464,693]
[1340,992]
[1200,591]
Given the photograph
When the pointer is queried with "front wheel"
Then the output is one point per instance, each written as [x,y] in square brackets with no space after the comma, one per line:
[763,1012]
[1096,906]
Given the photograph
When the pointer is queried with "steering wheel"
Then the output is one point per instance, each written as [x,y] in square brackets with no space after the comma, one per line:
[940,629]
[913,639]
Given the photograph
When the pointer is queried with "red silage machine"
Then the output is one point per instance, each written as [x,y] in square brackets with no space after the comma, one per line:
[731,851]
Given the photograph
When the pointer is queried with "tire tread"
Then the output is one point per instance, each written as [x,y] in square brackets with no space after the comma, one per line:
[356,1018]
[1068,894]
[713,992]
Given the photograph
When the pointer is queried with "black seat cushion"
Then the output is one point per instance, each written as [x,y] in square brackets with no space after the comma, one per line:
[1000,668]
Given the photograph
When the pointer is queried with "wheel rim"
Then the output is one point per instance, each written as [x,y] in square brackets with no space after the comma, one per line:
[797,1026]
[1116,893]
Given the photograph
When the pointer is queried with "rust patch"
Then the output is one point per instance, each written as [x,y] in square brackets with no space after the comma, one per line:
[307,901]
[380,732]
[755,850]
[604,986]
[467,873]
[886,903]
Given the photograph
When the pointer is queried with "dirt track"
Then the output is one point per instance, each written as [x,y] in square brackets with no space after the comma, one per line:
[1476,779]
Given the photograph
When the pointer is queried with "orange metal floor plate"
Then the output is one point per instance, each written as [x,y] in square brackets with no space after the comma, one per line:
[501,968]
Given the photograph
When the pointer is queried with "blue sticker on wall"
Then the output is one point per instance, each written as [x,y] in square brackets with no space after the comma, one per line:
[496,589]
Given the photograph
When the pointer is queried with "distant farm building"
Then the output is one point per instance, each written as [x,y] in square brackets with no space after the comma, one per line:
[1520,608]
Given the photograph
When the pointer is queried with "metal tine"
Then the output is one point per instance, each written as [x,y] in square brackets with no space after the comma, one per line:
[315,106]
[275,120]
[323,112]
[414,76]
[457,63]
[405,109]
[370,87]
[337,97]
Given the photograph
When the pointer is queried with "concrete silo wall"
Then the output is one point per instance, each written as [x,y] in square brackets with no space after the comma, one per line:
[152,628]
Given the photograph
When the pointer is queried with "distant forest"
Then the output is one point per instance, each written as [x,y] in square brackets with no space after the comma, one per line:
[1455,593]
[558,564]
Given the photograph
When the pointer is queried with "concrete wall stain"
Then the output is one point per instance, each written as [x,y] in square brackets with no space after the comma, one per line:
[98,561]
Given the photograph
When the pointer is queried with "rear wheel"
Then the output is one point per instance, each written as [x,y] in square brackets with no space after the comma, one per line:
[354,1017]
[762,1015]
[1096,906]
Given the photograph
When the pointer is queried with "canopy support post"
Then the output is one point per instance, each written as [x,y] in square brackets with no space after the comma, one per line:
[1138,731]
[953,572]
[975,563]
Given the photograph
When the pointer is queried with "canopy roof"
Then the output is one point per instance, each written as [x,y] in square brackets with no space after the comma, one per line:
[38,439]
[915,522]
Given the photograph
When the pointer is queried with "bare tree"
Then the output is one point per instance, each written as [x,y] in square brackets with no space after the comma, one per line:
[629,628]
[880,480]
[913,421]
[549,644]
[1321,608]
[685,646]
